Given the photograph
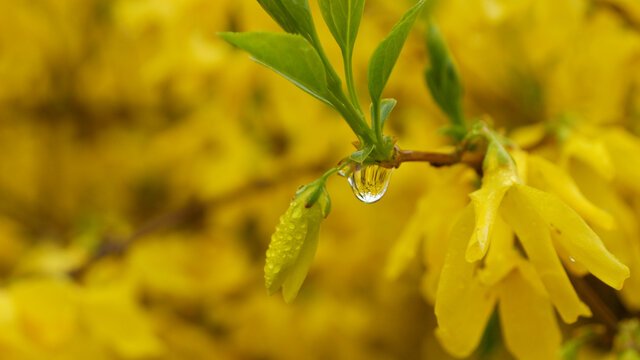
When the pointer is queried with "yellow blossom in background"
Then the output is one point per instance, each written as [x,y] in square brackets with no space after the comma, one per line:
[145,165]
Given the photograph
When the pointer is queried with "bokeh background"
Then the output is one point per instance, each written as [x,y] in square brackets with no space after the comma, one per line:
[144,164]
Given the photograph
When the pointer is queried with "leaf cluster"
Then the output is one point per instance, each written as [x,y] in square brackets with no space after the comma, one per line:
[299,56]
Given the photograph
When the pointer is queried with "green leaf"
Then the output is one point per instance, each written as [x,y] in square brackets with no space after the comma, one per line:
[343,19]
[289,55]
[361,155]
[293,16]
[386,106]
[442,77]
[386,54]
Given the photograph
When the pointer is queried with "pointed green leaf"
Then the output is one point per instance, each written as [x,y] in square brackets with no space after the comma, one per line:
[289,55]
[293,16]
[361,155]
[386,54]
[343,19]
[442,77]
[386,106]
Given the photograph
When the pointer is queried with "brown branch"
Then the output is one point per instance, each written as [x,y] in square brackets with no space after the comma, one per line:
[437,159]
[601,312]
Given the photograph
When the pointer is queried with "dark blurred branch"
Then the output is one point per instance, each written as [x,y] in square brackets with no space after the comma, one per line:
[194,209]
[619,11]
[600,310]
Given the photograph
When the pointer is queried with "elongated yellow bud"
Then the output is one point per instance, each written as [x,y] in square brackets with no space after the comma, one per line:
[294,242]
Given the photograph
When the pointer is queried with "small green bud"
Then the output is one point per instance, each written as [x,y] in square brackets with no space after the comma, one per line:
[293,244]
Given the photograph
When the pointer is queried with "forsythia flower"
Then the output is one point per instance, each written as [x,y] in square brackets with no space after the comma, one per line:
[598,159]
[293,244]
[525,286]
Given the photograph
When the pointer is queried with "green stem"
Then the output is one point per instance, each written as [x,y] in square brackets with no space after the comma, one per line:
[375,122]
[348,74]
[326,175]
[353,116]
[457,119]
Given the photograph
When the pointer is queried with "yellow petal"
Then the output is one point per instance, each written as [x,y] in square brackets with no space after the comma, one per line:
[528,272]
[405,248]
[496,181]
[529,136]
[104,309]
[622,241]
[623,148]
[591,152]
[533,233]
[574,235]
[463,305]
[449,198]
[570,263]
[501,257]
[47,310]
[486,202]
[529,325]
[548,177]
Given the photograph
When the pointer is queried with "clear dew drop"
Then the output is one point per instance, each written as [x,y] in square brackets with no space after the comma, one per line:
[370,183]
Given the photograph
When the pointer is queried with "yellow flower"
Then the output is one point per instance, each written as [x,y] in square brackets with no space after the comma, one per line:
[467,296]
[527,289]
[293,244]
[597,159]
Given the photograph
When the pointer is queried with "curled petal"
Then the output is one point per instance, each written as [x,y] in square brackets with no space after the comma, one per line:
[573,234]
[533,233]
[622,241]
[548,177]
[486,203]
[496,181]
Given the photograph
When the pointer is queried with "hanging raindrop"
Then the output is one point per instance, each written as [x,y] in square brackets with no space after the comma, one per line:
[369,183]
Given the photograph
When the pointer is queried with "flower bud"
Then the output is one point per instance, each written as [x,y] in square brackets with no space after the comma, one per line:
[295,240]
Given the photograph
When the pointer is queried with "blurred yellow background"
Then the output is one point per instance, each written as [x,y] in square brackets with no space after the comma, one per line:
[144,164]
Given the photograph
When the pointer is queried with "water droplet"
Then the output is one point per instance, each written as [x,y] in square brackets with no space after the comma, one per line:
[572,259]
[347,170]
[370,183]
